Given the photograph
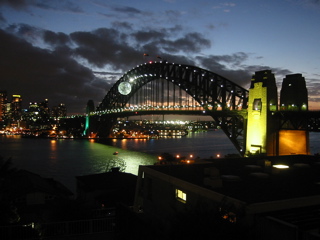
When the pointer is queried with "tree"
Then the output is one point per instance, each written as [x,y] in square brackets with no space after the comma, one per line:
[6,168]
[8,212]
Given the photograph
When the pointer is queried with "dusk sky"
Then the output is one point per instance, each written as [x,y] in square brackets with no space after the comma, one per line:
[74,50]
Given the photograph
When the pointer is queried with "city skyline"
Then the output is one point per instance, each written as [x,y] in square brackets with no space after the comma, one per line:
[73,51]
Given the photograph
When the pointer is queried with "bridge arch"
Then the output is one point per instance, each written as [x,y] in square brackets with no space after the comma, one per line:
[220,98]
[209,89]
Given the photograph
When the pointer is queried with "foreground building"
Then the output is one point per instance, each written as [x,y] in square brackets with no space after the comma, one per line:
[105,190]
[269,198]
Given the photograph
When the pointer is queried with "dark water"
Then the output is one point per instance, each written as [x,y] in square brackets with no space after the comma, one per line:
[63,160]
[202,144]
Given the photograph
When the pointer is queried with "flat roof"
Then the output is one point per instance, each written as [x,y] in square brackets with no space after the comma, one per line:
[254,180]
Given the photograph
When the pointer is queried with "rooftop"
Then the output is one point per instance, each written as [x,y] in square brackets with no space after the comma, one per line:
[23,182]
[254,180]
[113,179]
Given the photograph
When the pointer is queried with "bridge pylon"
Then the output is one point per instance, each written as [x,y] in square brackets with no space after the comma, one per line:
[293,99]
[267,131]
[261,136]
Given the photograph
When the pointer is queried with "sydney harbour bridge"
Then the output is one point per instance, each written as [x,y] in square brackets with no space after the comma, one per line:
[251,119]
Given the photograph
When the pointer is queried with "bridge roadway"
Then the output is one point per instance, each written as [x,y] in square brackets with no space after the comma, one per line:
[223,113]
[232,122]
[295,120]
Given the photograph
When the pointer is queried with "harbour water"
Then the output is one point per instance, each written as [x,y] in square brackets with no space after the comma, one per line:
[64,159]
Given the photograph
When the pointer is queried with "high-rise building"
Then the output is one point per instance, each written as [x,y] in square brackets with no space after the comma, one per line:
[16,107]
[44,108]
[3,106]
[33,112]
[59,111]
[62,110]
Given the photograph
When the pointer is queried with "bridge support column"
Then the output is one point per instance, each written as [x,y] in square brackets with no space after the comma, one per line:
[100,126]
[293,98]
[87,129]
[104,126]
[261,136]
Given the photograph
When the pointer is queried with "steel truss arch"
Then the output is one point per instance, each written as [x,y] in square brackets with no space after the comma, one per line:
[207,88]
[219,97]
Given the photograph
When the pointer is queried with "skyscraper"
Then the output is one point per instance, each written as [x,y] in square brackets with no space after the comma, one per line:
[59,111]
[3,107]
[16,107]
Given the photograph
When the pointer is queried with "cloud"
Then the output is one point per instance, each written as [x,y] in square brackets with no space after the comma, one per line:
[16,4]
[164,42]
[315,2]
[2,19]
[192,42]
[233,67]
[219,64]
[173,15]
[146,36]
[32,71]
[53,38]
[25,31]
[225,7]
[65,6]
[121,50]
[127,10]
[105,46]
[122,25]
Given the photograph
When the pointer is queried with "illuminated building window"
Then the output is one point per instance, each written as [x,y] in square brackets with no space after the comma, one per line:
[181,196]
[257,104]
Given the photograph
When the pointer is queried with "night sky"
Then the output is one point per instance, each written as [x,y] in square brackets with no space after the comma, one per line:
[74,50]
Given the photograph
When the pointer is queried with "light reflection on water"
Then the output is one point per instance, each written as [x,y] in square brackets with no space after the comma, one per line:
[202,144]
[63,160]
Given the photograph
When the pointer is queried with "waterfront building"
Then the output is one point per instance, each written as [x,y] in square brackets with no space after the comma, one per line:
[104,190]
[257,198]
[25,189]
[59,111]
[16,107]
[3,102]
[44,109]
